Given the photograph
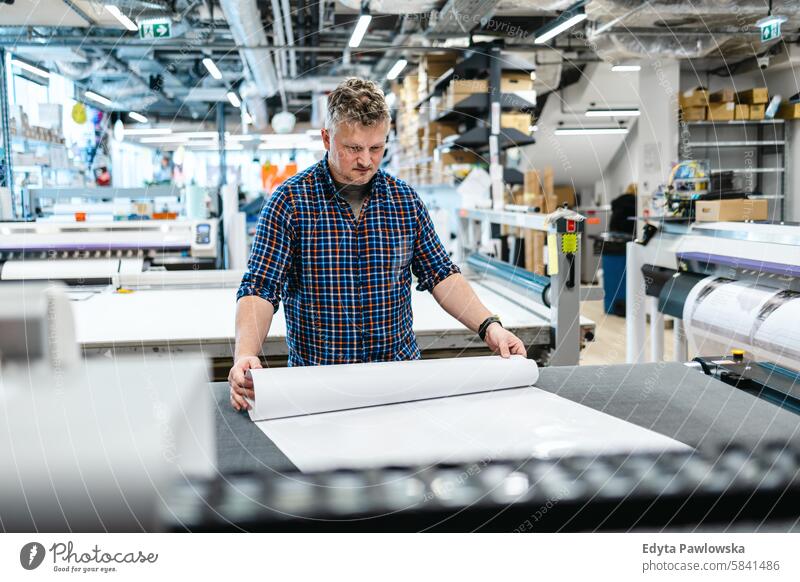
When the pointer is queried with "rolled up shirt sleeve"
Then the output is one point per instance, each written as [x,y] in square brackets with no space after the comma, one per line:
[430,263]
[271,254]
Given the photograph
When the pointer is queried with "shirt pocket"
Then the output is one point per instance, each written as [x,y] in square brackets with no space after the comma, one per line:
[398,252]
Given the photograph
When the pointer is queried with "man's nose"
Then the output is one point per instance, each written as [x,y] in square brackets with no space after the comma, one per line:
[364,160]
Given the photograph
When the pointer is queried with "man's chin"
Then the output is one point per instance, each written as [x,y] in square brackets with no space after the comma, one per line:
[360,178]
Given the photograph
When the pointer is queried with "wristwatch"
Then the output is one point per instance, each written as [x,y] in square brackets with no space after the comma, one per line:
[485,325]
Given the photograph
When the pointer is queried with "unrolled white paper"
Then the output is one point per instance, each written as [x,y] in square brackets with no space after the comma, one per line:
[434,411]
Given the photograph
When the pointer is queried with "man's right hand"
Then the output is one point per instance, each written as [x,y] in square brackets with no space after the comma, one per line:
[241,385]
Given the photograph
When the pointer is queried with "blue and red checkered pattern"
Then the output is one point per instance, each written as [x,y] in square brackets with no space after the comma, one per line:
[346,283]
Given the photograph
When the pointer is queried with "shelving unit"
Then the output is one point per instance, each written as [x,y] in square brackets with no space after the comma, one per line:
[474,114]
[755,149]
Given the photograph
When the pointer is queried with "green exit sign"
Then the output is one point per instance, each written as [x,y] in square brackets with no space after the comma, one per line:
[155,29]
[771,27]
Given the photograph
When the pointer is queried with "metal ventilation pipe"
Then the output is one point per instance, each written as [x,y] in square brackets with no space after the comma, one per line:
[244,19]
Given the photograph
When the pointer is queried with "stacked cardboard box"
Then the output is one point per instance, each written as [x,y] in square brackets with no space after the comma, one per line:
[431,67]
[519,121]
[512,81]
[693,104]
[538,192]
[459,89]
[698,104]
[756,100]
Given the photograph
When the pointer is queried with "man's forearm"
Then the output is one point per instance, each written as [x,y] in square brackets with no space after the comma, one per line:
[253,319]
[457,298]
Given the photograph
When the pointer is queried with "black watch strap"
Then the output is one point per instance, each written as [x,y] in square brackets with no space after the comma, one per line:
[485,325]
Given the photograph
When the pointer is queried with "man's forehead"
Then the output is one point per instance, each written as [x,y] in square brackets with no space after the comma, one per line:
[362,135]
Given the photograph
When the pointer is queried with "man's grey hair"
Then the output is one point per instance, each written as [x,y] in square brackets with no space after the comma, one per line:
[357,101]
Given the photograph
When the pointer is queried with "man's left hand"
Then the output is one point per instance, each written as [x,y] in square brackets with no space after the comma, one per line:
[503,341]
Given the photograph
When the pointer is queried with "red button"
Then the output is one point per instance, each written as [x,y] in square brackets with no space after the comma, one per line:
[570,226]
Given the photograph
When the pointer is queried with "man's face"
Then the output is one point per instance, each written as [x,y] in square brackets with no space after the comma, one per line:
[355,151]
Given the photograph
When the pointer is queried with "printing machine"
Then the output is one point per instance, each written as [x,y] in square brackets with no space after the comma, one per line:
[674,267]
[91,253]
[85,236]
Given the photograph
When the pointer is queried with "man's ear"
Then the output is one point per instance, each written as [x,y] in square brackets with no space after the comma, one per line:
[326,139]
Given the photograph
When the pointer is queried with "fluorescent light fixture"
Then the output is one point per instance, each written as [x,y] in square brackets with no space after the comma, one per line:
[591,131]
[565,21]
[148,131]
[181,137]
[360,30]
[97,98]
[396,69]
[234,99]
[241,137]
[137,117]
[626,68]
[164,139]
[212,68]
[31,68]
[199,134]
[126,22]
[612,113]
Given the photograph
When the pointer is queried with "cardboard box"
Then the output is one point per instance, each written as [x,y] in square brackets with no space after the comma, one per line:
[565,195]
[721,111]
[433,66]
[789,111]
[697,97]
[693,113]
[460,157]
[757,111]
[753,96]
[514,81]
[722,95]
[741,111]
[519,121]
[468,86]
[730,210]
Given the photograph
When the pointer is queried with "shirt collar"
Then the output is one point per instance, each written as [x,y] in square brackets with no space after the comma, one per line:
[379,185]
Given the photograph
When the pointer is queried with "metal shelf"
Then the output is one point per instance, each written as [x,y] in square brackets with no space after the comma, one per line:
[478,103]
[738,122]
[734,144]
[749,170]
[478,139]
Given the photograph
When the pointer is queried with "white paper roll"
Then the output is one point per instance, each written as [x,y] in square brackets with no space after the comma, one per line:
[721,315]
[297,391]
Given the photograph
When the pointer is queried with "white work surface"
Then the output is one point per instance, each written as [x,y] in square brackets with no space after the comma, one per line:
[190,316]
[508,419]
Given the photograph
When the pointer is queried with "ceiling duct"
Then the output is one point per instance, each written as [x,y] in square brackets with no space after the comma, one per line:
[535,5]
[80,71]
[666,28]
[393,6]
[244,19]
[461,16]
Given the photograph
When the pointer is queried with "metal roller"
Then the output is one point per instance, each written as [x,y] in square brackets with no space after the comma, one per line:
[537,285]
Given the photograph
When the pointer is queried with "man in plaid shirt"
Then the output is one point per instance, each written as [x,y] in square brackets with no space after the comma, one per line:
[338,243]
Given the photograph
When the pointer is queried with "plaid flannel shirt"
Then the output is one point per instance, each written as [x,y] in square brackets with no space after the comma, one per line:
[346,283]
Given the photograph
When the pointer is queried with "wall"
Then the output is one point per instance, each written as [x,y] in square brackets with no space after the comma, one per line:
[581,160]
